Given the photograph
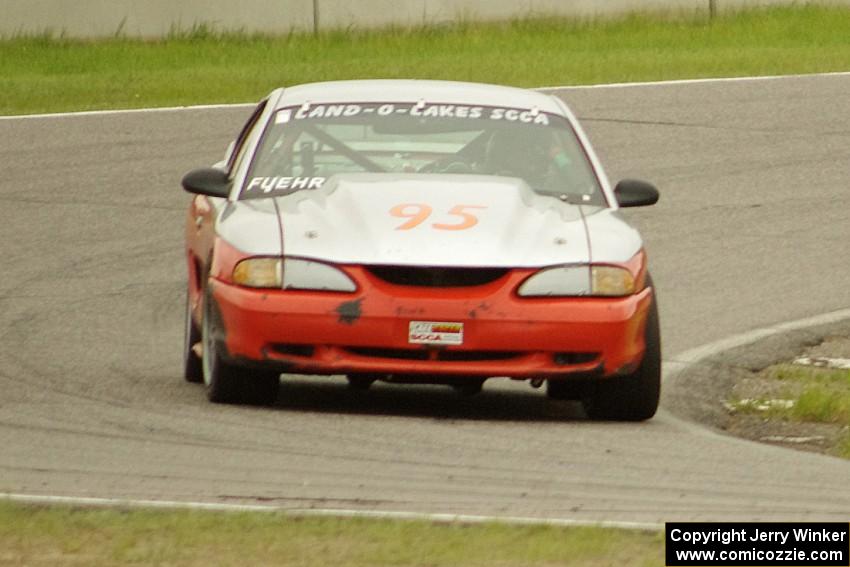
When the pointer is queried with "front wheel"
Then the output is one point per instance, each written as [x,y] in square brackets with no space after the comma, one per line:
[566,389]
[633,397]
[262,388]
[192,370]
[468,387]
[361,382]
[227,383]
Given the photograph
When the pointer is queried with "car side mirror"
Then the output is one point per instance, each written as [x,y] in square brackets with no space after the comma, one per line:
[207,181]
[635,193]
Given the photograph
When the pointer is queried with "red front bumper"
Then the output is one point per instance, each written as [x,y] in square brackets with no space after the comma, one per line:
[367,331]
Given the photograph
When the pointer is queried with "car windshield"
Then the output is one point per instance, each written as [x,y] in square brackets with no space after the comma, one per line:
[305,145]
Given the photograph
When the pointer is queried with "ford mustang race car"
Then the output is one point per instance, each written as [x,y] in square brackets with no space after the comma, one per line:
[419,232]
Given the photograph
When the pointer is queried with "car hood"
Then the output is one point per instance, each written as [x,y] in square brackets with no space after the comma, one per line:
[431,220]
[428,220]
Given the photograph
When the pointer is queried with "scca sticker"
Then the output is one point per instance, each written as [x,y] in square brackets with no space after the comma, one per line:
[422,110]
[514,115]
[435,333]
[266,186]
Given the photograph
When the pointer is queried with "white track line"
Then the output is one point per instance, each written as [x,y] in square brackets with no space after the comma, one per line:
[679,362]
[321,512]
[129,111]
[693,81]
[555,88]
[671,368]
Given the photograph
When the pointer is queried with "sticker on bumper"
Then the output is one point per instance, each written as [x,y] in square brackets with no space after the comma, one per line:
[435,333]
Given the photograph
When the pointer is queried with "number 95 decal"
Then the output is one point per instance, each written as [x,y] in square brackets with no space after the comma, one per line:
[417,213]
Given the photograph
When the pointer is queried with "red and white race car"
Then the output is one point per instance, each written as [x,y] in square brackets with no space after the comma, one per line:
[419,232]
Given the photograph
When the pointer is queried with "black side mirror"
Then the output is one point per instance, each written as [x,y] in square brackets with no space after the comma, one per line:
[207,181]
[635,193]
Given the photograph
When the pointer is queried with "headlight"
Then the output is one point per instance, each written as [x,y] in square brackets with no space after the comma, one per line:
[291,273]
[258,272]
[612,281]
[570,281]
[563,280]
[304,274]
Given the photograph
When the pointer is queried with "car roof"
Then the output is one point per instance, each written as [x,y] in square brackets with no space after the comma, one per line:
[410,90]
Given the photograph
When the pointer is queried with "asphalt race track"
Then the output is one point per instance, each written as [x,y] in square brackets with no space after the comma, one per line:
[751,231]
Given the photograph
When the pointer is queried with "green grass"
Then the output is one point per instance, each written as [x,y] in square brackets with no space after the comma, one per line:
[52,73]
[819,395]
[824,405]
[63,536]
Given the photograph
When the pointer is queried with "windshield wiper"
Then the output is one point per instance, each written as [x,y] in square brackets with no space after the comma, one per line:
[570,198]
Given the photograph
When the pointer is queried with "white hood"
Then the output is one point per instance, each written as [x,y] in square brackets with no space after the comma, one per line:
[498,222]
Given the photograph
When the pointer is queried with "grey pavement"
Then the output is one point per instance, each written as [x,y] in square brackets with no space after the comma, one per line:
[751,231]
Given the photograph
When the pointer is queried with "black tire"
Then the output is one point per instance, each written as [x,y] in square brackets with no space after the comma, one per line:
[227,383]
[261,388]
[192,368]
[360,382]
[569,389]
[633,397]
[468,387]
[222,380]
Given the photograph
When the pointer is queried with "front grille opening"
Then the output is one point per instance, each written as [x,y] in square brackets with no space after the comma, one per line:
[436,277]
[397,353]
[434,354]
[570,358]
[294,350]
[473,355]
